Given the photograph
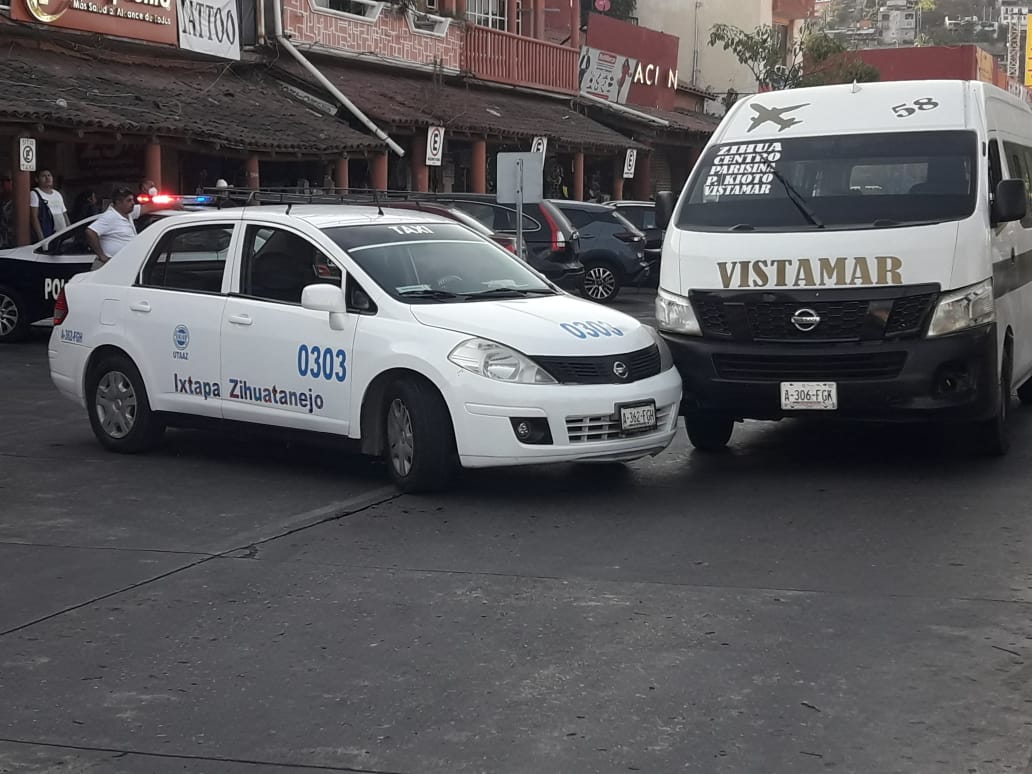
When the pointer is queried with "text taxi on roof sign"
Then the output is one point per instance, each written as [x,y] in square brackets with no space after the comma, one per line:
[429,344]
[859,251]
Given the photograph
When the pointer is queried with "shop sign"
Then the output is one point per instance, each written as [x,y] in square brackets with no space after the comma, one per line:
[606,76]
[630,163]
[27,154]
[210,27]
[434,146]
[151,20]
[540,145]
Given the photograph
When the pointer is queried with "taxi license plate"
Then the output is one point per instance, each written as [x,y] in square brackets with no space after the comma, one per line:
[809,396]
[639,417]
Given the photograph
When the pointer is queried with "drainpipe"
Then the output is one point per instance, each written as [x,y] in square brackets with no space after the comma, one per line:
[325,82]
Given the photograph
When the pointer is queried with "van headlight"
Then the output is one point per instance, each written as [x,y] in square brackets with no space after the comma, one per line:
[495,361]
[964,308]
[675,314]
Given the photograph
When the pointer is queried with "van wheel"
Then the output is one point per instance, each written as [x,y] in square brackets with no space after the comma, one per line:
[709,432]
[1025,393]
[120,413]
[992,436]
[601,283]
[420,447]
[14,317]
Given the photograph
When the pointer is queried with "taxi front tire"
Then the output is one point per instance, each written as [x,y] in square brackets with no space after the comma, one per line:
[118,407]
[420,440]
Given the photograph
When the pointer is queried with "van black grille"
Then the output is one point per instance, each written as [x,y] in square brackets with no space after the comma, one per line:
[643,364]
[865,365]
[841,320]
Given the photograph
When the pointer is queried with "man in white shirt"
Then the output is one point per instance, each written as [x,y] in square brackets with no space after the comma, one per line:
[53,201]
[116,226]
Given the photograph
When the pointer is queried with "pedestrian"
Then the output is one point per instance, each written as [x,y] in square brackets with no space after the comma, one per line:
[47,211]
[148,188]
[6,213]
[116,226]
[85,206]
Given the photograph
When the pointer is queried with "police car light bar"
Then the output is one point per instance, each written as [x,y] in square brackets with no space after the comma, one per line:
[171,199]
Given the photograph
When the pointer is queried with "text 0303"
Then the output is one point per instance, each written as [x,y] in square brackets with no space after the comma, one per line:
[322,363]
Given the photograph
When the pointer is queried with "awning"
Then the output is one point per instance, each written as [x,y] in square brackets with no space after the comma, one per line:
[402,100]
[236,107]
[669,127]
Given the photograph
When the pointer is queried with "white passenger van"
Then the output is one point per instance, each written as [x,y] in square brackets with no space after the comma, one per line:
[857,251]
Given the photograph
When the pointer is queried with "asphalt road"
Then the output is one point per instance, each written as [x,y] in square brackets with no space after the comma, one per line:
[823,597]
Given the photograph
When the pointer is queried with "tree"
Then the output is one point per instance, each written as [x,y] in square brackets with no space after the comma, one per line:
[813,59]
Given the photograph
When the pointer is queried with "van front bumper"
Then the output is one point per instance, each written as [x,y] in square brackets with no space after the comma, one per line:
[949,378]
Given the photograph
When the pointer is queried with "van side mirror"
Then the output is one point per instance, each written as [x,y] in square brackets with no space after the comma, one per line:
[1011,201]
[664,208]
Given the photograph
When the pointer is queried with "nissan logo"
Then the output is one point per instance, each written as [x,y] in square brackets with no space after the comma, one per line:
[620,369]
[805,320]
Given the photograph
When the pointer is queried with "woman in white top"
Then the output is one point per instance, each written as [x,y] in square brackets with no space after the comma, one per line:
[54,202]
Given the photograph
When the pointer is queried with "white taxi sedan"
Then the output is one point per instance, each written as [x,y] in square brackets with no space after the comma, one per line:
[429,344]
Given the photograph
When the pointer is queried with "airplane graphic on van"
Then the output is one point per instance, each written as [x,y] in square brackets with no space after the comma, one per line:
[765,115]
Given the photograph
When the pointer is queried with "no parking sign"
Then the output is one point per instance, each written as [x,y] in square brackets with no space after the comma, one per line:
[434,146]
[27,154]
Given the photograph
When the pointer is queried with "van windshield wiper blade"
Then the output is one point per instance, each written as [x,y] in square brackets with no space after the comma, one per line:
[501,292]
[793,195]
[427,293]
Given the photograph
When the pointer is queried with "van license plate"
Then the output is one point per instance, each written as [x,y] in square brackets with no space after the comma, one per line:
[809,396]
[637,418]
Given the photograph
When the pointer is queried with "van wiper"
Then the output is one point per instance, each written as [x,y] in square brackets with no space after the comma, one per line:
[508,292]
[793,195]
[427,293]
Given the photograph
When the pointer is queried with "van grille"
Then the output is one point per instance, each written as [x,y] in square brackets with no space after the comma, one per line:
[773,368]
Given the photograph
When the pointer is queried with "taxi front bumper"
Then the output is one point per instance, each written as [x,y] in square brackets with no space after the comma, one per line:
[583,421]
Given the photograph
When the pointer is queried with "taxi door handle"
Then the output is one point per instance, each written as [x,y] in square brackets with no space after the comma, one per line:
[140,306]
[240,319]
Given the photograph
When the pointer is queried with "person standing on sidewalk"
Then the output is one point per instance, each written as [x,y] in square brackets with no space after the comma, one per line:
[116,226]
[47,211]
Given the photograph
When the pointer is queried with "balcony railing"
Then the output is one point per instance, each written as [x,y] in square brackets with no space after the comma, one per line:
[494,55]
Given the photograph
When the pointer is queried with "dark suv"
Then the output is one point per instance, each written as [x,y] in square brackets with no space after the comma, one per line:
[611,249]
[551,242]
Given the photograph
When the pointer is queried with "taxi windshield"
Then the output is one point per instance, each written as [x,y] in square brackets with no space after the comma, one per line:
[847,181]
[437,263]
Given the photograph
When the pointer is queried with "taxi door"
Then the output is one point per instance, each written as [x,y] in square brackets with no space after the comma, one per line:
[173,318]
[282,364]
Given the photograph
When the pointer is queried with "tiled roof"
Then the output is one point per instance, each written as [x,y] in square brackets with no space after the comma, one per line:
[236,106]
[683,121]
[403,99]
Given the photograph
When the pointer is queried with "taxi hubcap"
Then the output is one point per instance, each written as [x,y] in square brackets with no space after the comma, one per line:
[599,282]
[8,315]
[399,437]
[116,404]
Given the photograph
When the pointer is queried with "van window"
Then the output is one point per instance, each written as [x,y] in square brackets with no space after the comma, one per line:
[1019,164]
[848,181]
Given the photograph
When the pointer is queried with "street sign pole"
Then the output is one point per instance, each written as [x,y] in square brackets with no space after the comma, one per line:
[519,208]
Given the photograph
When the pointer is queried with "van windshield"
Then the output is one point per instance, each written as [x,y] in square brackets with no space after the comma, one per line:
[848,181]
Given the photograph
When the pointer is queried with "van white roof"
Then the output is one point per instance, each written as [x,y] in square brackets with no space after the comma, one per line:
[893,106]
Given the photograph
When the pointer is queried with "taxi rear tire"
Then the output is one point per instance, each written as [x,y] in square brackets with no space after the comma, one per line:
[118,407]
[709,432]
[14,316]
[419,446]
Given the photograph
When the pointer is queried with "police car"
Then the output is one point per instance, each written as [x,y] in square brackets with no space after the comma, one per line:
[31,277]
[426,342]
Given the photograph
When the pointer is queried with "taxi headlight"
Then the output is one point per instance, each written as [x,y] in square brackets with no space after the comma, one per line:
[495,361]
[666,360]
[675,314]
[964,308]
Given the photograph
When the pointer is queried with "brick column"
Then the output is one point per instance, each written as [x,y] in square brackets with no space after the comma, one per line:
[618,179]
[378,170]
[512,17]
[643,176]
[578,176]
[417,163]
[340,173]
[152,163]
[539,19]
[575,24]
[479,181]
[253,179]
[21,183]
[460,9]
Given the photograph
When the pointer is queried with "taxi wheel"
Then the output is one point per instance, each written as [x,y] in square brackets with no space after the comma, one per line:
[601,283]
[420,443]
[120,413]
[709,432]
[14,317]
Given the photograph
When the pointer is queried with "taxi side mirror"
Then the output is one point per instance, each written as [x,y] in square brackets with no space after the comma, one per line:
[664,209]
[327,298]
[1011,201]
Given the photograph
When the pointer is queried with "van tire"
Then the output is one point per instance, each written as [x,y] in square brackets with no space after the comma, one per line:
[419,441]
[992,436]
[118,407]
[14,316]
[601,282]
[709,432]
[1025,393]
